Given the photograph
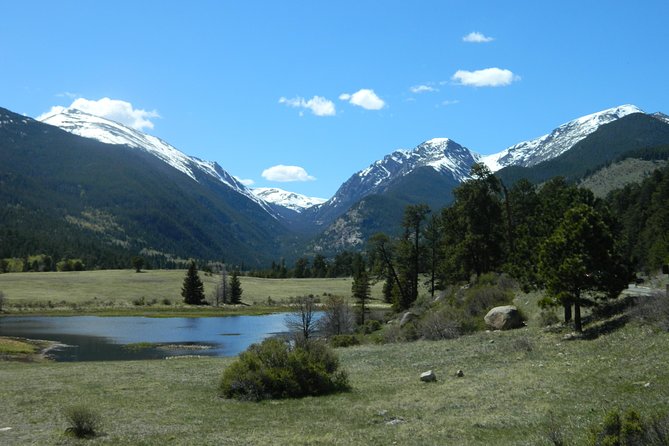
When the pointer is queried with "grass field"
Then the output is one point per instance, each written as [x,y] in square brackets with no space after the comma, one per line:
[119,288]
[516,387]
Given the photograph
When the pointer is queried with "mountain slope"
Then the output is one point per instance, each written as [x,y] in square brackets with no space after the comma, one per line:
[111,132]
[65,195]
[557,142]
[441,155]
[636,131]
[383,212]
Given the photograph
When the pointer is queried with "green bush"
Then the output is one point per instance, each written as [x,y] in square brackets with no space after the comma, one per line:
[481,298]
[83,422]
[629,429]
[344,340]
[276,369]
[371,326]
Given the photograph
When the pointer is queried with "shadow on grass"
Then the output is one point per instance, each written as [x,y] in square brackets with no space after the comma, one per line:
[605,327]
[612,308]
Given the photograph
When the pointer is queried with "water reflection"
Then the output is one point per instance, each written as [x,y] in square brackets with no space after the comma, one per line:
[92,338]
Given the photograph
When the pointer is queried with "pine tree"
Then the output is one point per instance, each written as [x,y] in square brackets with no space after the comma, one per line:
[361,292]
[235,289]
[579,261]
[192,289]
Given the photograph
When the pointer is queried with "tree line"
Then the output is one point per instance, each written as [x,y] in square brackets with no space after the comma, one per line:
[344,264]
[556,236]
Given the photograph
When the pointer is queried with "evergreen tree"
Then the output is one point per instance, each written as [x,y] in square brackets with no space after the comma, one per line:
[410,250]
[579,261]
[301,269]
[361,293]
[192,289]
[473,230]
[235,289]
[384,253]
[319,267]
[138,263]
[432,235]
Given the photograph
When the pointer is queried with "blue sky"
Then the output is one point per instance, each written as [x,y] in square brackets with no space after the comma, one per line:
[329,87]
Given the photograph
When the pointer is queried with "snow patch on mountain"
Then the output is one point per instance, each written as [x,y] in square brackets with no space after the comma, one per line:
[111,132]
[661,116]
[290,200]
[442,154]
[563,138]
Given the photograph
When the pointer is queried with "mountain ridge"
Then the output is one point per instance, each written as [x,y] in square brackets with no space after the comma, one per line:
[111,132]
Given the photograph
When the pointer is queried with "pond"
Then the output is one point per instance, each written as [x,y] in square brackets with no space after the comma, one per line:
[94,338]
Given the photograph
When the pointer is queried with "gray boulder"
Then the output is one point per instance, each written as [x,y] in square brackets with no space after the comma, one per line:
[506,317]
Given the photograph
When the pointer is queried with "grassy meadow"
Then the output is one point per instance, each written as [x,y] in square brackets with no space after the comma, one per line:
[117,290]
[517,387]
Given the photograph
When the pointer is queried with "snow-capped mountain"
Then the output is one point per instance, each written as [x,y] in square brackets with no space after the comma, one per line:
[563,138]
[442,154]
[661,116]
[111,132]
[291,200]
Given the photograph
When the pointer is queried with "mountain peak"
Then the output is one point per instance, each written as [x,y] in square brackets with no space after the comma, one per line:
[291,200]
[563,138]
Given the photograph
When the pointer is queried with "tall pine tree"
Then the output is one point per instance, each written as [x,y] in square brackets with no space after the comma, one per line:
[235,289]
[193,289]
[361,292]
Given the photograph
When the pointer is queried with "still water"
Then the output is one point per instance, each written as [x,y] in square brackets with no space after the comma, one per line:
[93,338]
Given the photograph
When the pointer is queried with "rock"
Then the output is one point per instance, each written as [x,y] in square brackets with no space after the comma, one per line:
[407,317]
[428,376]
[506,317]
[459,374]
[395,421]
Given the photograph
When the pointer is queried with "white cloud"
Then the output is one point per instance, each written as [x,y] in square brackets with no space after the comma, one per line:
[245,182]
[114,109]
[476,37]
[318,105]
[422,89]
[67,94]
[364,98]
[450,102]
[283,173]
[488,77]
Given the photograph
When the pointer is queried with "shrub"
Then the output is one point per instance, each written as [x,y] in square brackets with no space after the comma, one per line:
[371,326]
[338,317]
[444,323]
[83,422]
[276,369]
[344,340]
[547,318]
[629,429]
[481,298]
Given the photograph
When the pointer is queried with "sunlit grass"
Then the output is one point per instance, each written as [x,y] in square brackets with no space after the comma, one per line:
[516,386]
[155,292]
